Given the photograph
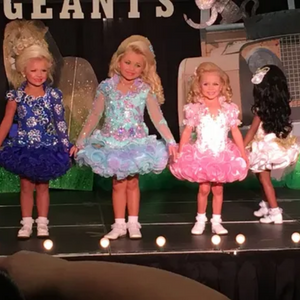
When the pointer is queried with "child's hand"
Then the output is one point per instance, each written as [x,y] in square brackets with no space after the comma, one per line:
[172,149]
[245,157]
[73,151]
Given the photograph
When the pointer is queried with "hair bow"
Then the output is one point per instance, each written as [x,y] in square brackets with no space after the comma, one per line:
[259,75]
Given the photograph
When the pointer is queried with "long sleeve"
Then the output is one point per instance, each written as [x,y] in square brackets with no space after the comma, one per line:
[59,118]
[158,119]
[93,117]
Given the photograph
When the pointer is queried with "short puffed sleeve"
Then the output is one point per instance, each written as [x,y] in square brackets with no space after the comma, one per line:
[233,115]
[11,95]
[191,114]
[103,88]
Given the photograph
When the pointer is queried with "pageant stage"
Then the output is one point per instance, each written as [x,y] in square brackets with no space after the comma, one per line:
[265,266]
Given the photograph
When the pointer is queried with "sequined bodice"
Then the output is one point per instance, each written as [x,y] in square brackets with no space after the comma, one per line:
[124,113]
[40,120]
[212,131]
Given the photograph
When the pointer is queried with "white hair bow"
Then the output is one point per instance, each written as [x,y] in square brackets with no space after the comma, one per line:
[259,75]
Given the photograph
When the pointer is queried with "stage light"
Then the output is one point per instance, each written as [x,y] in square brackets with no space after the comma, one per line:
[216,240]
[160,241]
[48,244]
[296,237]
[104,242]
[240,239]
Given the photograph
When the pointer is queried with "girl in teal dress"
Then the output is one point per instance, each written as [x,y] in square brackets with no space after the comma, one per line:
[123,148]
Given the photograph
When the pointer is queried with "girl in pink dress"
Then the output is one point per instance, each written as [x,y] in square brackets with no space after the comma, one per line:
[212,159]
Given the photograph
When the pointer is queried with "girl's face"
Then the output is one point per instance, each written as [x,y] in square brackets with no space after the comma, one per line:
[132,65]
[211,85]
[36,71]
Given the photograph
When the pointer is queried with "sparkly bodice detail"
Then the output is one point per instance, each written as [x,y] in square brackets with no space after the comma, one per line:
[212,131]
[41,119]
[124,113]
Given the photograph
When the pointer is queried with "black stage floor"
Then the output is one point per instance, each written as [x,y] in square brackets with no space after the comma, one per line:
[78,220]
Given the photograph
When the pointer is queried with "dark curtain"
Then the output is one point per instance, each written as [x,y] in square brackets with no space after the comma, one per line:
[96,40]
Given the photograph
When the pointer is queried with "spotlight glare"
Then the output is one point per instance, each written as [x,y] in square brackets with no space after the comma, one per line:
[160,241]
[48,244]
[296,237]
[104,242]
[240,239]
[216,240]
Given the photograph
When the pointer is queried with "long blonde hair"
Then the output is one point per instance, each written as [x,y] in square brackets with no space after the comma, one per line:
[140,45]
[207,67]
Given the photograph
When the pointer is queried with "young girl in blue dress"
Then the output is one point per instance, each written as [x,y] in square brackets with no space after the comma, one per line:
[123,148]
[40,150]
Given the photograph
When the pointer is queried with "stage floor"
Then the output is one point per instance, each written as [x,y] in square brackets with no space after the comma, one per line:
[80,219]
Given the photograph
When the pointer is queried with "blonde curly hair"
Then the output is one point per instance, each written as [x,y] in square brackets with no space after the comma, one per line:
[195,95]
[24,40]
[140,45]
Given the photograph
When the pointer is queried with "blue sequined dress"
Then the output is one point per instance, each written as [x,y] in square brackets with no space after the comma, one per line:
[123,146]
[39,150]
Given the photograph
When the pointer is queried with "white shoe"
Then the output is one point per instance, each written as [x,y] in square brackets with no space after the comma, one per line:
[263,211]
[217,228]
[117,231]
[42,227]
[134,230]
[199,226]
[26,230]
[274,216]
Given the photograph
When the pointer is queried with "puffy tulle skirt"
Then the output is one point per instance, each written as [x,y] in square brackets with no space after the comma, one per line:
[139,156]
[36,164]
[196,166]
[269,154]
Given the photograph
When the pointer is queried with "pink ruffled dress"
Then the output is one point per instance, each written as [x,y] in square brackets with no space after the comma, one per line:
[213,157]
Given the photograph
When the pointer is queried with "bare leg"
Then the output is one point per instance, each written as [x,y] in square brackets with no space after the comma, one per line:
[119,206]
[26,197]
[42,202]
[133,202]
[133,196]
[204,190]
[119,198]
[42,199]
[217,190]
[269,192]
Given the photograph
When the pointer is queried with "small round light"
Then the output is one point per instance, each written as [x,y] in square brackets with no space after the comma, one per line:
[104,242]
[160,241]
[234,252]
[216,240]
[48,244]
[240,239]
[296,237]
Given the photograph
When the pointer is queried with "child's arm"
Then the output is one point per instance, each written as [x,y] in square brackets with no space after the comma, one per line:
[185,137]
[92,119]
[252,131]
[160,123]
[238,139]
[59,119]
[7,120]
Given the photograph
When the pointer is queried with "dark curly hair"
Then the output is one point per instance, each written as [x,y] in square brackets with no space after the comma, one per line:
[271,102]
